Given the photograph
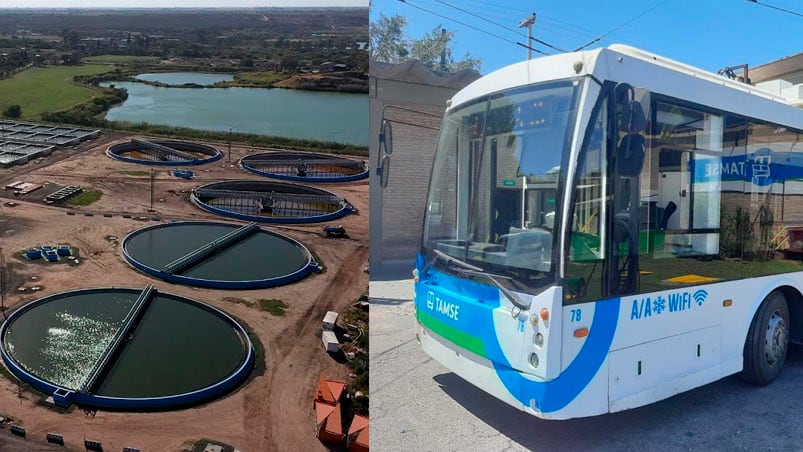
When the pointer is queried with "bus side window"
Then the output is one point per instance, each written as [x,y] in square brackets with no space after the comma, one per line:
[584,272]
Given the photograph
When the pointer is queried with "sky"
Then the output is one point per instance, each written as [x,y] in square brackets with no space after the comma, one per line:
[710,34]
[177,3]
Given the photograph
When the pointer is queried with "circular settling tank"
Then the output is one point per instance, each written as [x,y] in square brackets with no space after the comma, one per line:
[163,152]
[305,166]
[124,348]
[270,202]
[218,255]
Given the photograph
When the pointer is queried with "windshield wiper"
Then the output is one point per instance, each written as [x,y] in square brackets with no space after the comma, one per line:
[471,270]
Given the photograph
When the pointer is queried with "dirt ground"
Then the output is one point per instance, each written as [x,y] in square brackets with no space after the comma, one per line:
[272,410]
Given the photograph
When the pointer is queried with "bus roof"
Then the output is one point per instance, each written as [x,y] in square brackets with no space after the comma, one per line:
[621,63]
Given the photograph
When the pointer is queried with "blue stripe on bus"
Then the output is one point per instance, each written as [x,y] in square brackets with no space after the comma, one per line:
[555,394]
[550,395]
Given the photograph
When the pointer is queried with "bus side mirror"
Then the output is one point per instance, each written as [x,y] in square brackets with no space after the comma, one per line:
[383,170]
[386,137]
[632,105]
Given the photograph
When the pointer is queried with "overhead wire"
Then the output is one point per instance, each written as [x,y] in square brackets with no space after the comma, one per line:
[508,14]
[776,8]
[619,27]
[513,13]
[543,43]
[570,32]
[474,27]
[496,6]
[567,24]
[565,32]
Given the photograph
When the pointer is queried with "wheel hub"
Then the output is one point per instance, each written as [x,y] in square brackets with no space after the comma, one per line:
[775,341]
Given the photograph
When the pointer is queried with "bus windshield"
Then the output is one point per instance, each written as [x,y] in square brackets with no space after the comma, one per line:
[493,194]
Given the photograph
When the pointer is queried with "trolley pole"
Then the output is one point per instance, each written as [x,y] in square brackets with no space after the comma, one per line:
[529,22]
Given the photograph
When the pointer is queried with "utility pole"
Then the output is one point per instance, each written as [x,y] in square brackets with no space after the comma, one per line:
[152,184]
[529,22]
[229,144]
[2,282]
[443,51]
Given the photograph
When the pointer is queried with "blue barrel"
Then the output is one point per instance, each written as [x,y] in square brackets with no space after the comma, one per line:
[64,250]
[52,256]
[33,253]
[46,248]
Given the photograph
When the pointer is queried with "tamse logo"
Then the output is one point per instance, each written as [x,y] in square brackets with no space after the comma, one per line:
[443,307]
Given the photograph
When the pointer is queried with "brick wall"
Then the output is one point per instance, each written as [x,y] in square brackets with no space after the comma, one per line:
[404,198]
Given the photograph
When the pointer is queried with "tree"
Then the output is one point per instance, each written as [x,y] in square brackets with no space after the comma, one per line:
[69,39]
[434,51]
[289,63]
[389,44]
[13,111]
[387,39]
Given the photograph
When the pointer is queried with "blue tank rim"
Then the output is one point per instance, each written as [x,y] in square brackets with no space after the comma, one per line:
[174,401]
[344,210]
[351,178]
[217,155]
[300,273]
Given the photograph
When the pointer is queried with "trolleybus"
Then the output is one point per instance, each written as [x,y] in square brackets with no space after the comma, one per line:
[605,229]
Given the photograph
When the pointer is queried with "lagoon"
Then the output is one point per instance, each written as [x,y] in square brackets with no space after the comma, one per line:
[315,115]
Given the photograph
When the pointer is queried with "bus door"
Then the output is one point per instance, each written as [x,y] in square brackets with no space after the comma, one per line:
[674,186]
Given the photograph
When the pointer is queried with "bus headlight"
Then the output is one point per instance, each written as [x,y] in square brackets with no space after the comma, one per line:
[533,360]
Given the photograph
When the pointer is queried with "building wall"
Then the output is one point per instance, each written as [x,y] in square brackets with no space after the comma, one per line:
[405,194]
[396,212]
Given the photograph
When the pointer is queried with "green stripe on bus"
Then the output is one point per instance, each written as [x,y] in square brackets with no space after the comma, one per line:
[452,334]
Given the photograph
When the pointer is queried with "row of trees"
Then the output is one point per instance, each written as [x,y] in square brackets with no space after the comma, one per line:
[390,44]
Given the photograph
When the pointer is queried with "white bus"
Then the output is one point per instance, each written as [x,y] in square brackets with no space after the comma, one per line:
[605,229]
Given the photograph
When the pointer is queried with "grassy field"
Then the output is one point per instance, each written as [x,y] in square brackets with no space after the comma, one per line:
[121,59]
[265,78]
[43,89]
[273,306]
[86,198]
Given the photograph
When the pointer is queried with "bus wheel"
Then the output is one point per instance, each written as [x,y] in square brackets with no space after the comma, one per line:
[767,341]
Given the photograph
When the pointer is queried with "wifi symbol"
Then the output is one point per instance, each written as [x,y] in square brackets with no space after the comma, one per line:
[700,296]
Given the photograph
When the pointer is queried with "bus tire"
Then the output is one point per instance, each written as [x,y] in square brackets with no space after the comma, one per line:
[767,341]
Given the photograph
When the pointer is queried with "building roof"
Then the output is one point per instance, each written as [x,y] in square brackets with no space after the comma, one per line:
[334,422]
[789,68]
[358,423]
[329,391]
[413,71]
[322,411]
[330,317]
[363,438]
[358,432]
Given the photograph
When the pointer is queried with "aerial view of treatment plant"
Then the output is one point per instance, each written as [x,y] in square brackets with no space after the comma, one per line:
[166,288]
